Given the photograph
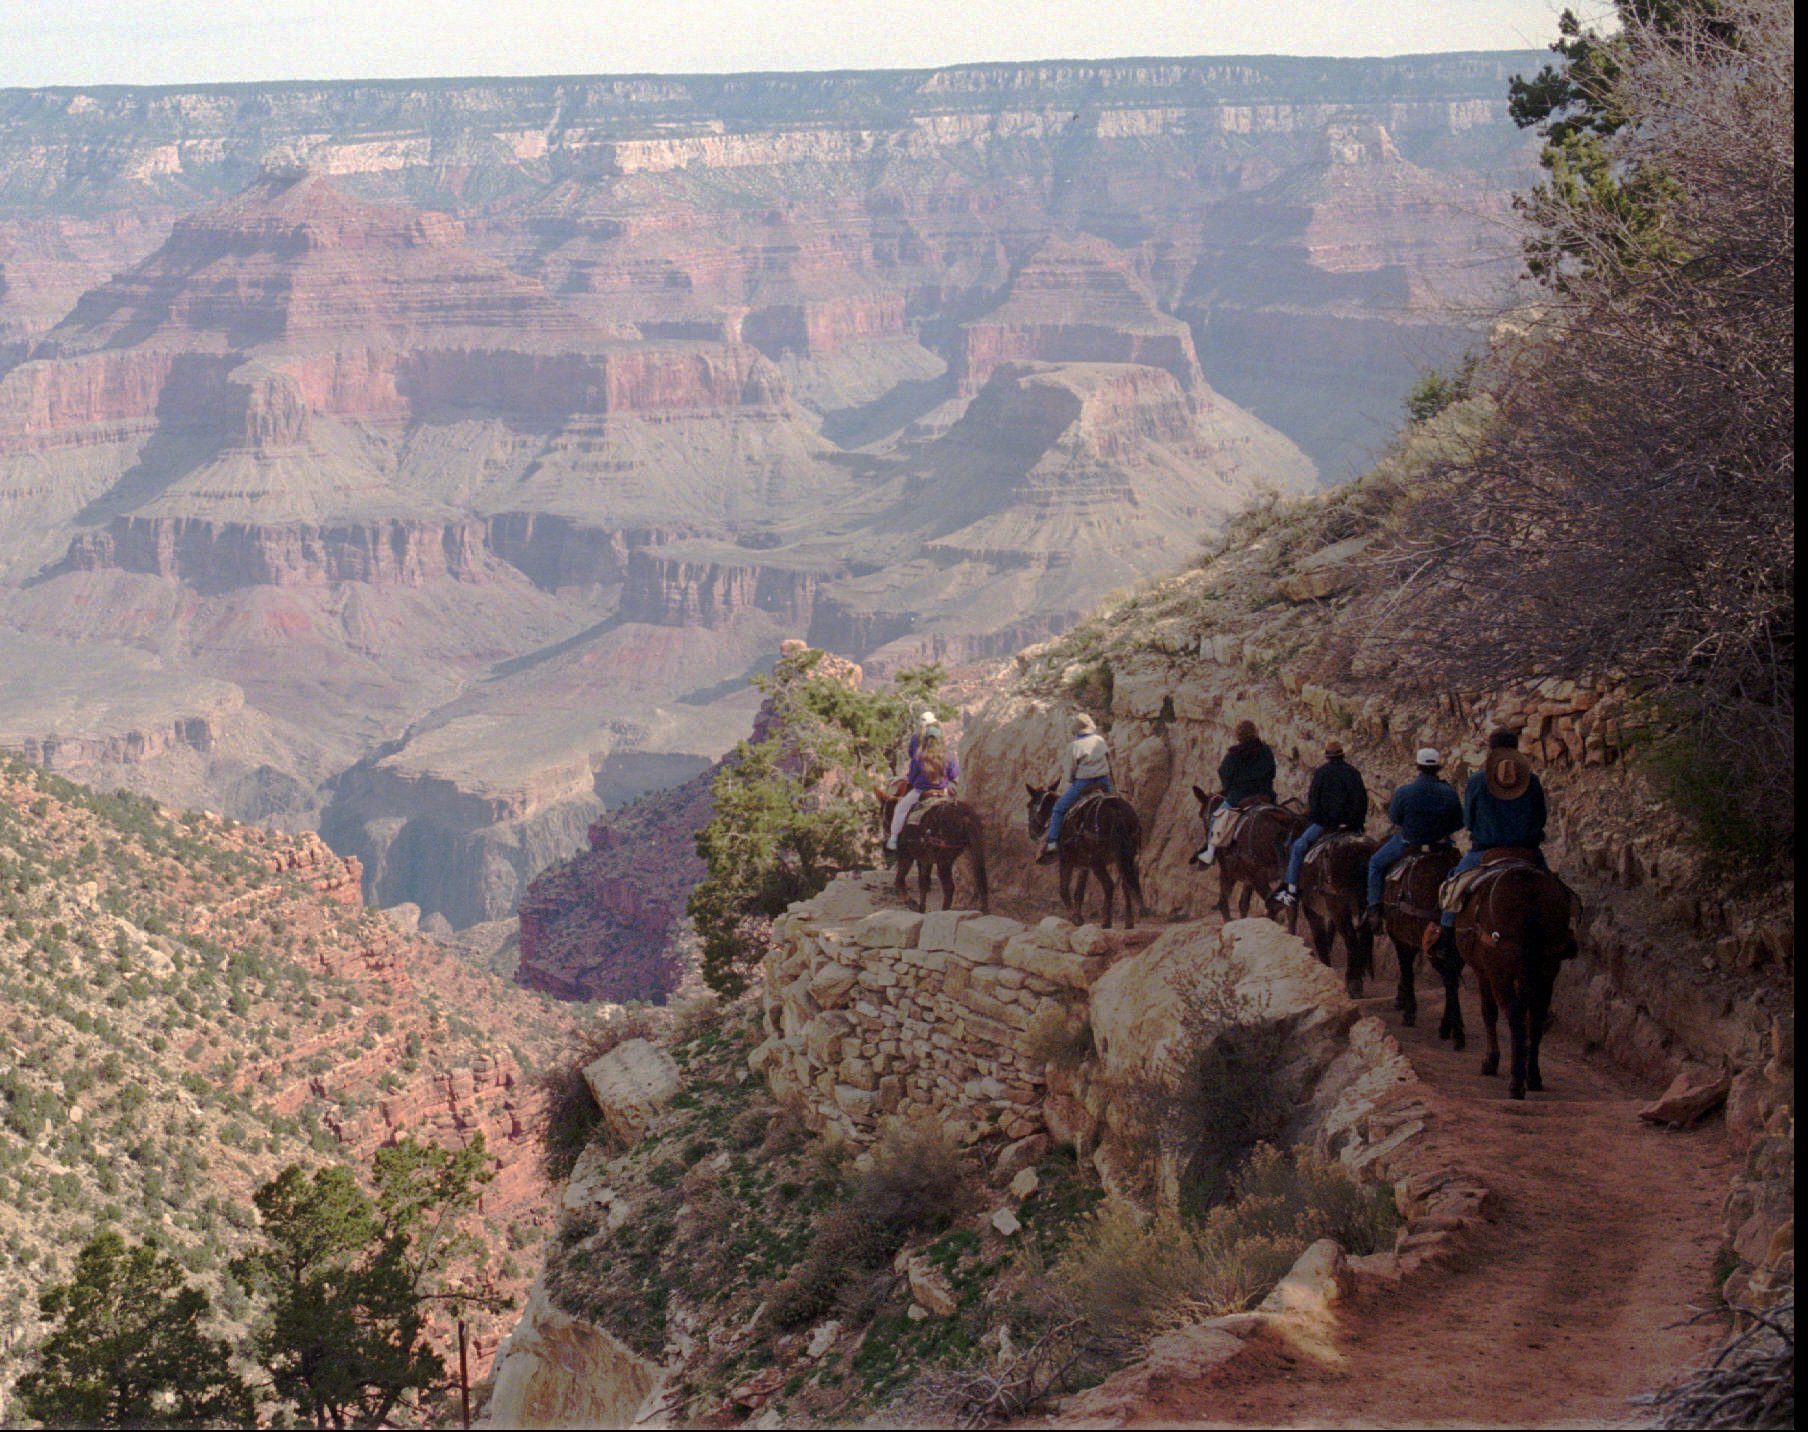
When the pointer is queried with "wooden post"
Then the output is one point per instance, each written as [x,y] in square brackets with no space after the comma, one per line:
[464,1376]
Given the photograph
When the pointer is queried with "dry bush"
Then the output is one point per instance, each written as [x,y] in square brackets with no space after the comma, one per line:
[571,1116]
[1750,1383]
[1127,1278]
[1060,1036]
[1215,1098]
[915,1182]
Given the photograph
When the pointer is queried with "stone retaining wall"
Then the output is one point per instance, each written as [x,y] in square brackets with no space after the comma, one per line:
[877,1011]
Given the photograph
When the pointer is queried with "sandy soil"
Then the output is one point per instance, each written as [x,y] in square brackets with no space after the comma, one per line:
[1602,1236]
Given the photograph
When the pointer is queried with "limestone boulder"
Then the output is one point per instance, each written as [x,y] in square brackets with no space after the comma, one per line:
[1692,1095]
[554,1370]
[632,1083]
[931,1288]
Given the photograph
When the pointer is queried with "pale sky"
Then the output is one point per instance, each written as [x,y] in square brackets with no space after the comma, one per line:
[91,42]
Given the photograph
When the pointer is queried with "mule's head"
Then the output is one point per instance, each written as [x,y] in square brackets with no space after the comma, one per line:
[1042,807]
[1206,802]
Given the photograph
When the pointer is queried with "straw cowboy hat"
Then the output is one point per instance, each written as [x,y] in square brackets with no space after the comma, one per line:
[1508,773]
[1084,725]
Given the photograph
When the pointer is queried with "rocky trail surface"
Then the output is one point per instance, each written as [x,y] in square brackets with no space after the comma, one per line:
[1601,1239]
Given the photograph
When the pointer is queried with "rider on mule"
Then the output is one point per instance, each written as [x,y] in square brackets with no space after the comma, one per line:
[1504,806]
[1087,769]
[1425,811]
[1337,800]
[1247,771]
[932,768]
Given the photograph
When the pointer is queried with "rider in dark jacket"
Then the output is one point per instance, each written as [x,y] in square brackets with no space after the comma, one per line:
[1507,818]
[1337,800]
[1424,811]
[1247,768]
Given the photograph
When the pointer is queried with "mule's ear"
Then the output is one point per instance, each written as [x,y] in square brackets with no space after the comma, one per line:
[1034,792]
[1201,796]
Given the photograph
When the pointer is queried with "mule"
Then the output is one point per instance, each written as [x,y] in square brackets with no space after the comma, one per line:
[1409,916]
[941,830]
[1333,884]
[1256,857]
[1515,932]
[1099,832]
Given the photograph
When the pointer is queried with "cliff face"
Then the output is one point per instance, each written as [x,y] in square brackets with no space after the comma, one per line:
[494,429]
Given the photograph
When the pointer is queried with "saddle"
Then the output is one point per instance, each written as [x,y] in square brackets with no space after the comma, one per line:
[1319,852]
[1455,892]
[925,803]
[1229,819]
[1399,878]
[1085,810]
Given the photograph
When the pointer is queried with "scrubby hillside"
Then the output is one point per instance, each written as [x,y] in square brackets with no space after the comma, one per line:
[192,1004]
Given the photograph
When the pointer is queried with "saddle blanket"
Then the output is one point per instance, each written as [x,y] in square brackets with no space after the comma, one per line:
[1224,826]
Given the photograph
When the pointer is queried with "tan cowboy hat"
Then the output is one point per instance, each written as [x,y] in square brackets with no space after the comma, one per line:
[1084,725]
[1333,747]
[1508,773]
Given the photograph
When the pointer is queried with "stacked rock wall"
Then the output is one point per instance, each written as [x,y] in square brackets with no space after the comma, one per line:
[876,1012]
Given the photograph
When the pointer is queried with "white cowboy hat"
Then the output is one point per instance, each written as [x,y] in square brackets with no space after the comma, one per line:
[928,718]
[1084,725]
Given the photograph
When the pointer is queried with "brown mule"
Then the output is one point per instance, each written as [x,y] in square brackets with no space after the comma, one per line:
[939,833]
[1099,832]
[1256,857]
[1333,883]
[1515,932]
[1409,915]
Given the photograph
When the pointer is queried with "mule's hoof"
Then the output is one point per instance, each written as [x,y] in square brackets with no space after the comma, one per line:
[1457,1041]
[1516,1093]
[1445,1033]
[1490,1067]
[1535,1084]
[1409,1018]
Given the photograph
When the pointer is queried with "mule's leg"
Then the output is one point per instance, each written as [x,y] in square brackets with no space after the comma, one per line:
[1109,889]
[1355,967]
[1541,1013]
[1223,893]
[1249,893]
[1490,1017]
[1078,903]
[1321,936]
[1406,996]
[944,871]
[1518,1018]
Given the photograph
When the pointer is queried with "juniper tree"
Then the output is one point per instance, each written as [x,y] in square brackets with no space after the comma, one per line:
[127,1348]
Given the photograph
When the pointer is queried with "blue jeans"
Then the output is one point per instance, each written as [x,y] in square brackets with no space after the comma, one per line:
[1382,861]
[1069,799]
[1296,857]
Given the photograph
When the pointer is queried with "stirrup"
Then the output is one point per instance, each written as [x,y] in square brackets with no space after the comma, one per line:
[1286,895]
[1204,857]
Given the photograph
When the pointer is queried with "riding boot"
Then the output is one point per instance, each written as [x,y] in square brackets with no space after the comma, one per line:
[1286,895]
[1206,856]
[1046,854]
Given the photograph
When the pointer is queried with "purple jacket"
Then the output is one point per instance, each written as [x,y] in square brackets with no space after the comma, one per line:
[918,782]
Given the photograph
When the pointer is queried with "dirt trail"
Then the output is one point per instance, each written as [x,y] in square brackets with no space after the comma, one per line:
[1602,1235]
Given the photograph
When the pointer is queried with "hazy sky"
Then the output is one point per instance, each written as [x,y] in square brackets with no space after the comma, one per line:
[88,42]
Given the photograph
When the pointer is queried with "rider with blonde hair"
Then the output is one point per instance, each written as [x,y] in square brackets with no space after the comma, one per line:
[932,768]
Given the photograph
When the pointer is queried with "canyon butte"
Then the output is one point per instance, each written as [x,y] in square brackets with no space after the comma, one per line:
[431,463]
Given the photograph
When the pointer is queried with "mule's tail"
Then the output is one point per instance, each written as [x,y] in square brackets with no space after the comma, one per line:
[1129,844]
[976,852]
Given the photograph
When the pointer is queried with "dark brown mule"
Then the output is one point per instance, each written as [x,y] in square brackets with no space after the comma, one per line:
[1256,857]
[1515,931]
[1099,831]
[941,830]
[1333,883]
[1409,913]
